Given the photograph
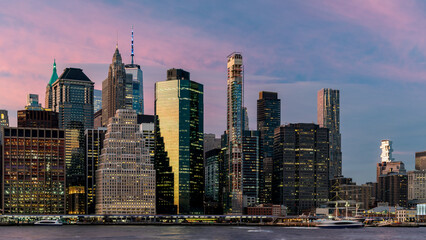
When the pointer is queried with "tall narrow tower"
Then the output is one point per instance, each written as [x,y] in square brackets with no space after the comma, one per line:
[114,88]
[135,91]
[329,117]
[235,128]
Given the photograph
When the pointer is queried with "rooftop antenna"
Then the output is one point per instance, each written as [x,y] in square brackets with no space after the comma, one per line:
[133,54]
[116,45]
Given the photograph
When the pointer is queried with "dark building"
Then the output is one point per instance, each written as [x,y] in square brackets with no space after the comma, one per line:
[421,160]
[268,118]
[94,144]
[97,119]
[179,109]
[251,168]
[393,189]
[33,171]
[300,175]
[37,119]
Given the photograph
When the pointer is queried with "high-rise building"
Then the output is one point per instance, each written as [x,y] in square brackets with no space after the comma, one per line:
[179,108]
[4,118]
[49,90]
[420,160]
[211,142]
[125,179]
[212,175]
[33,183]
[268,118]
[35,116]
[235,128]
[135,91]
[329,117]
[251,168]
[114,89]
[94,144]
[300,171]
[72,98]
[97,100]
[392,179]
[147,128]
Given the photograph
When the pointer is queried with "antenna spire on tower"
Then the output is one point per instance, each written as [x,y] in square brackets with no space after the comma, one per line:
[133,54]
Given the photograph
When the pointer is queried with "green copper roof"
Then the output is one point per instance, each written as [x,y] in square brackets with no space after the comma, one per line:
[54,74]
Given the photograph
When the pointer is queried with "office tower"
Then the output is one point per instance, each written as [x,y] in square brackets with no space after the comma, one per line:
[33,183]
[420,160]
[125,179]
[35,116]
[114,89]
[94,144]
[212,177]
[97,100]
[211,142]
[49,91]
[4,118]
[300,175]
[268,118]
[329,117]
[235,128]
[251,168]
[73,99]
[179,108]
[392,179]
[135,89]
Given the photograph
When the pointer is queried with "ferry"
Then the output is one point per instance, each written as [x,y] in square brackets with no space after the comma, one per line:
[339,224]
[48,223]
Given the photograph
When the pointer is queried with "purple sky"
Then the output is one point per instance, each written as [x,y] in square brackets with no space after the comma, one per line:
[373,51]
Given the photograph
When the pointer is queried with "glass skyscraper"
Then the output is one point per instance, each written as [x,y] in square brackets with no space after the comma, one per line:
[235,128]
[97,100]
[179,144]
[329,117]
[268,118]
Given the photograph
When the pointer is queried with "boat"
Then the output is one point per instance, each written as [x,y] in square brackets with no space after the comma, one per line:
[340,224]
[48,223]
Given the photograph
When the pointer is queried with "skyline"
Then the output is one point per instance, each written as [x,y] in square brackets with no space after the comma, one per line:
[372,54]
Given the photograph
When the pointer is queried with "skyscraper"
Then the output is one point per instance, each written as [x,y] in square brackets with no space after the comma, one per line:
[97,100]
[268,118]
[235,128]
[72,98]
[114,89]
[329,117]
[4,118]
[135,91]
[179,133]
[49,92]
[125,179]
[94,145]
[33,183]
[300,171]
[35,116]
[251,168]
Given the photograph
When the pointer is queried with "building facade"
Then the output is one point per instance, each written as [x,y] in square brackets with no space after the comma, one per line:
[268,118]
[235,129]
[251,168]
[114,89]
[328,110]
[420,161]
[94,144]
[97,100]
[125,178]
[179,109]
[34,116]
[300,175]
[4,118]
[417,186]
[33,171]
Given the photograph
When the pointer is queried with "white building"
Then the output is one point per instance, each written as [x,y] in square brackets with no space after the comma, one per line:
[387,150]
[125,176]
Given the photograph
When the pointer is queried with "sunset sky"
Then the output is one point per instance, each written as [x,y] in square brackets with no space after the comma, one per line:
[373,51]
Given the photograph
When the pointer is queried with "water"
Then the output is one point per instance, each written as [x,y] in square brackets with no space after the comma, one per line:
[203,232]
